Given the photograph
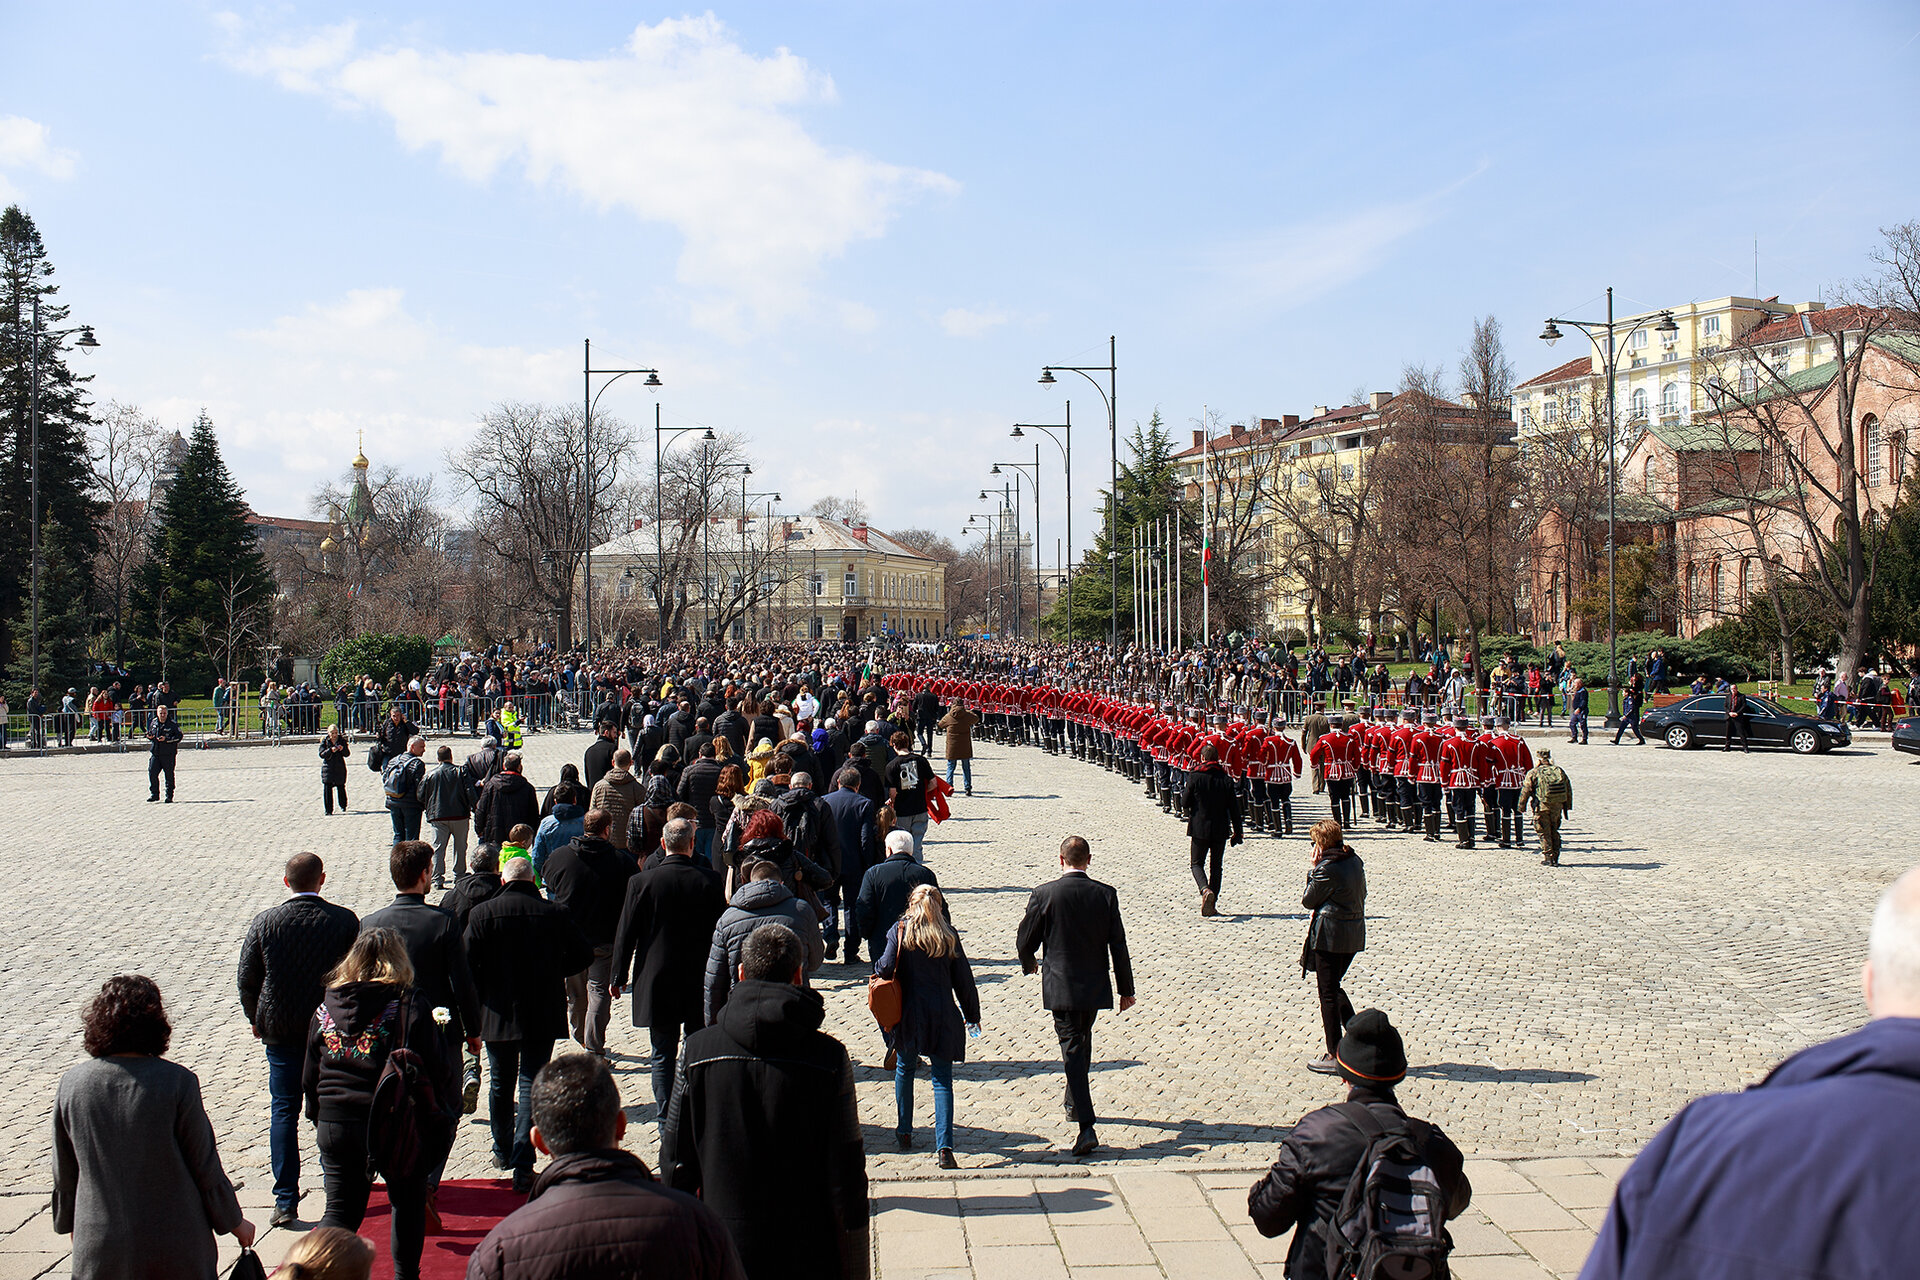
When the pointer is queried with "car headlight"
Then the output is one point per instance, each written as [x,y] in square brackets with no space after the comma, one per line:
[1830,728]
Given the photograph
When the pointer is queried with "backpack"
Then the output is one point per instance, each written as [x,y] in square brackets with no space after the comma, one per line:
[1391,1223]
[403,1112]
[393,776]
[1553,788]
[796,816]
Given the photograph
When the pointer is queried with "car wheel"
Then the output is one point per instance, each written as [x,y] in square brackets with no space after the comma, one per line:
[1679,737]
[1805,741]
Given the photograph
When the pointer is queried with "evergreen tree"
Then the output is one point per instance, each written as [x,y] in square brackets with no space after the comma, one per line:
[68,509]
[1149,491]
[204,596]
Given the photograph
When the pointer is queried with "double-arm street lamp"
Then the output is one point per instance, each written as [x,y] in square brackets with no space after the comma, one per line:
[1031,472]
[767,532]
[990,536]
[1066,457]
[1110,394]
[661,435]
[590,398]
[1010,571]
[85,342]
[1610,360]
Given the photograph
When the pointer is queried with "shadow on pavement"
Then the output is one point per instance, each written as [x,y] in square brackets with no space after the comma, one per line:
[1480,1073]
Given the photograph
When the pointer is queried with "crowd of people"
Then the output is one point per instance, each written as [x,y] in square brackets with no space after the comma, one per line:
[735,824]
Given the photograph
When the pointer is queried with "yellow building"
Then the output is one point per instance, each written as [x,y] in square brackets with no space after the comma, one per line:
[1667,377]
[777,578]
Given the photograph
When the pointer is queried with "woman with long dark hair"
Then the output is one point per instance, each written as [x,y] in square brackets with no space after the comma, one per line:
[1337,896]
[137,1179]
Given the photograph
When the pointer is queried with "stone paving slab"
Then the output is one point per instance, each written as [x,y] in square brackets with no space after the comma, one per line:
[1716,902]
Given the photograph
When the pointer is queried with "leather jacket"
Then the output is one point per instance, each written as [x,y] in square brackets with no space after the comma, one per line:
[1337,894]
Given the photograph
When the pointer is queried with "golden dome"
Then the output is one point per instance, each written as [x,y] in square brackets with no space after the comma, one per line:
[328,546]
[360,462]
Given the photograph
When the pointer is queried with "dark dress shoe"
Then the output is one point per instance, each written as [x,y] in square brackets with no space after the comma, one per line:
[946,1159]
[905,1140]
[1086,1143]
[285,1216]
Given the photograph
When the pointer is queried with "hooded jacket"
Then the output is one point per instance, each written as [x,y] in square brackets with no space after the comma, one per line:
[356,1026]
[506,801]
[566,822]
[596,1213]
[1808,1173]
[755,903]
[589,878]
[764,1128]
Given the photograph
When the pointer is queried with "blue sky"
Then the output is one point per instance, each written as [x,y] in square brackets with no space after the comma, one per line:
[856,231]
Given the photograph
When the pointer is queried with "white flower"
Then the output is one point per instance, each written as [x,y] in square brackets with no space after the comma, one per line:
[442,1016]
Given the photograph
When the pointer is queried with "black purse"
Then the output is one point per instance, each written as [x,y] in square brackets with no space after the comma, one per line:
[247,1267]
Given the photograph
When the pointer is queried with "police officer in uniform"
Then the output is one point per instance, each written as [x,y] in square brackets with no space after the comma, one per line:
[164,736]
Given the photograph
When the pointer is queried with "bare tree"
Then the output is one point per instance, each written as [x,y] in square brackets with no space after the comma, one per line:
[832,507]
[125,451]
[1242,480]
[236,628]
[529,464]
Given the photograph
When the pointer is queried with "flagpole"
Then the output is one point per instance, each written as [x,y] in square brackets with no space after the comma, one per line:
[1206,533]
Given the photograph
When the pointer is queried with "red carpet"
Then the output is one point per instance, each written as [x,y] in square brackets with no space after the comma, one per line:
[468,1211]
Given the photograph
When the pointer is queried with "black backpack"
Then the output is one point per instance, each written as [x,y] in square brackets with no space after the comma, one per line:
[405,1112]
[1391,1224]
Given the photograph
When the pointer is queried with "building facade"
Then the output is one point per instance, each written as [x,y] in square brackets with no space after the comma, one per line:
[775,578]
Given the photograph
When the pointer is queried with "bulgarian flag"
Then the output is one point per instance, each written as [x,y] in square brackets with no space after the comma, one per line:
[1206,553]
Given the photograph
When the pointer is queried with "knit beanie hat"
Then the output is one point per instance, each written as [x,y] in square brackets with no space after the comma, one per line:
[1371,1052]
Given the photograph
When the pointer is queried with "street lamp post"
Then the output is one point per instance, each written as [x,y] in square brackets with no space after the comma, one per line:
[745,497]
[660,435]
[1066,457]
[1010,509]
[1110,395]
[1031,471]
[85,342]
[989,536]
[590,398]
[1610,357]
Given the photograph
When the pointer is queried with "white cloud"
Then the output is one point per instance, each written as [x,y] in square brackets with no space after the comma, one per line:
[28,144]
[682,127]
[965,322]
[1296,264]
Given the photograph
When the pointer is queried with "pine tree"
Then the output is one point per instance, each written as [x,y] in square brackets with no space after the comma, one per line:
[68,509]
[1149,490]
[205,593]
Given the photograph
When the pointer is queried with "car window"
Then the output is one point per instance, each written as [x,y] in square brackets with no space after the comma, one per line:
[1712,705]
[1761,707]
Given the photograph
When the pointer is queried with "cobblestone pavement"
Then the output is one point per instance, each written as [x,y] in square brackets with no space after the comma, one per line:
[1710,920]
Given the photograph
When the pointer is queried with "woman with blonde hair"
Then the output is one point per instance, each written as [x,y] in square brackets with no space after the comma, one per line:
[937,993]
[759,761]
[328,1253]
[369,1009]
[1337,896]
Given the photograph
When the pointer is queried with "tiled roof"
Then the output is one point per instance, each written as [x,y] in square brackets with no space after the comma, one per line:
[1579,367]
[810,533]
[288,523]
[1832,320]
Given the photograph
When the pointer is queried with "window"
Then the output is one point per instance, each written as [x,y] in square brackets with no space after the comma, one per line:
[1749,380]
[1638,340]
[734,584]
[1649,478]
[850,585]
[817,584]
[1670,400]
[1550,412]
[1899,454]
[1693,588]
[1712,326]
[1718,598]
[1876,467]
[1746,574]
[1637,404]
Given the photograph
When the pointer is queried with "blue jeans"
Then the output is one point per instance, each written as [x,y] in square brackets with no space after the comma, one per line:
[509,1114]
[942,1071]
[966,767]
[284,1062]
[662,1063]
[703,846]
[406,822]
[917,825]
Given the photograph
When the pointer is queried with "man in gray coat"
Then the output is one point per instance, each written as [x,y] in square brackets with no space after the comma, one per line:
[446,798]
[764,897]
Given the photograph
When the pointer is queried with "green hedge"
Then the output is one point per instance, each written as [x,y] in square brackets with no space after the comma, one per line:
[375,655]
[1697,656]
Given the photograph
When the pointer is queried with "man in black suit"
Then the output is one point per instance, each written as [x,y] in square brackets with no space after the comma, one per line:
[667,921]
[859,843]
[599,757]
[1212,803]
[432,938]
[885,890]
[926,714]
[1077,919]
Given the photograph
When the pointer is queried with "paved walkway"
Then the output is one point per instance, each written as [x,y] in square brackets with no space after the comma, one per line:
[1714,901]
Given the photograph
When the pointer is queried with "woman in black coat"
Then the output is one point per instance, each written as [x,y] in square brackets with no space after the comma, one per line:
[334,750]
[1337,895]
[936,992]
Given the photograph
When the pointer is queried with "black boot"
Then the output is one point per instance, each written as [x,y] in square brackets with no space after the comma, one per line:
[1433,828]
[1519,831]
[1464,830]
[1505,842]
[1286,816]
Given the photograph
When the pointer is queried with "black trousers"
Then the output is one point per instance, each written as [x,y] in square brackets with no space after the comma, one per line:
[1074,1027]
[1335,1009]
[1738,724]
[328,790]
[1206,858]
[343,1167]
[158,765]
[1462,798]
[1409,795]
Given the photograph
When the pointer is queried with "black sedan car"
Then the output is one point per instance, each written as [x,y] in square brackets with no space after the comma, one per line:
[1701,720]
[1906,735]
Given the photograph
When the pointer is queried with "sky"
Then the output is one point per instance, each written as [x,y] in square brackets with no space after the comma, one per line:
[855,232]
